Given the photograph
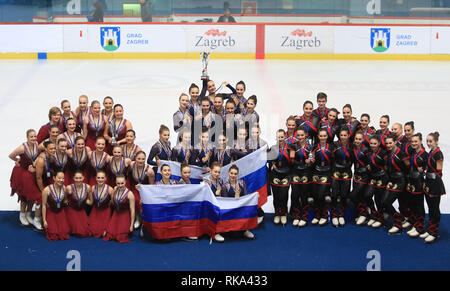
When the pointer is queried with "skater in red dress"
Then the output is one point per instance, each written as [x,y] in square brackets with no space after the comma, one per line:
[82,112]
[139,173]
[43,179]
[116,130]
[98,160]
[54,201]
[54,132]
[23,173]
[70,135]
[78,157]
[118,165]
[60,158]
[130,148]
[93,125]
[77,197]
[67,113]
[120,226]
[100,214]
[108,104]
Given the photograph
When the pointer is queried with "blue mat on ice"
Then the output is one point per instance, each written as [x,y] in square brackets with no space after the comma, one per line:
[276,248]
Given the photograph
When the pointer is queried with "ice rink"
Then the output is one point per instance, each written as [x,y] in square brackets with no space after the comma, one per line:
[149,91]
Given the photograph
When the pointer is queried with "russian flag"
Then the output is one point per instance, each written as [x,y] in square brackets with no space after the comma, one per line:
[252,169]
[170,211]
[197,173]
[237,213]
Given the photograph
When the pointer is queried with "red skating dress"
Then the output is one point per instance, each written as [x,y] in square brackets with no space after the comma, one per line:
[59,162]
[100,214]
[118,228]
[95,164]
[70,138]
[15,181]
[120,129]
[20,172]
[95,128]
[64,119]
[75,213]
[78,161]
[31,190]
[57,226]
[80,121]
[137,177]
[43,133]
[129,153]
[115,169]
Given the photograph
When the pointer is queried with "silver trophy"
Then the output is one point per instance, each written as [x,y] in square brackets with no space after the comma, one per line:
[112,127]
[204,56]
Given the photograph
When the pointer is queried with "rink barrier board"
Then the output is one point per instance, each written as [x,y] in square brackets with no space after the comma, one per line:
[124,56]
[394,57]
[247,56]
[249,41]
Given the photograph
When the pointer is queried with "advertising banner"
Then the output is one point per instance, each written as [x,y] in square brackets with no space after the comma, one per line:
[299,39]
[382,40]
[136,38]
[221,38]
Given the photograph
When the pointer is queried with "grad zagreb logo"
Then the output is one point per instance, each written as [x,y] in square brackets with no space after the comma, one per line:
[380,39]
[110,38]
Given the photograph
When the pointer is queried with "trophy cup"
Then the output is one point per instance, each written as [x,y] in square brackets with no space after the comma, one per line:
[112,127]
[204,56]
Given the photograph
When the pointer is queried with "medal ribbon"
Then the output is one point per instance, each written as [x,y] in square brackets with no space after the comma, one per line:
[140,176]
[100,162]
[166,149]
[62,163]
[98,196]
[78,161]
[129,154]
[119,199]
[32,154]
[58,196]
[118,171]
[76,191]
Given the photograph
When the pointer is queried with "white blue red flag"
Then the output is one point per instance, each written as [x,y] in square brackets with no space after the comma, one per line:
[170,211]
[196,172]
[252,169]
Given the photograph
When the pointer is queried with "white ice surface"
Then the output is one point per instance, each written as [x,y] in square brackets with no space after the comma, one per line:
[149,91]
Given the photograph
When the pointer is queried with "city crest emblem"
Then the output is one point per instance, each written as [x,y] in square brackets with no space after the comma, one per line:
[110,38]
[380,39]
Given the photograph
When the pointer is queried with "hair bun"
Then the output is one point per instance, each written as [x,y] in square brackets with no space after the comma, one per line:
[436,133]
